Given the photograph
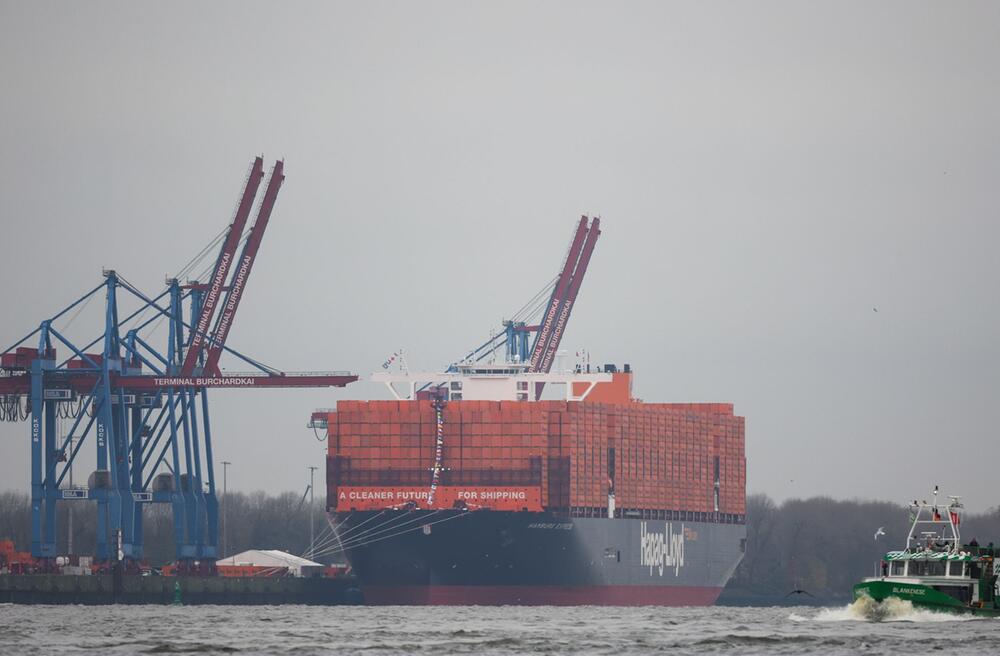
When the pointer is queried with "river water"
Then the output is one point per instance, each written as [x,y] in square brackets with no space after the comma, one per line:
[303,630]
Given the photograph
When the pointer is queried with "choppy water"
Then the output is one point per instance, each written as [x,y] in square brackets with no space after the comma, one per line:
[303,630]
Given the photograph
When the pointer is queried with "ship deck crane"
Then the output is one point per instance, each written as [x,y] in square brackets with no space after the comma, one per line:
[145,410]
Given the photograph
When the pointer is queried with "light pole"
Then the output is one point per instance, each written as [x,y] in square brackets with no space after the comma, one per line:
[312,514]
[225,504]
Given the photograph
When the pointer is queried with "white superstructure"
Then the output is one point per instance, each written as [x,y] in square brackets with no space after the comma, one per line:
[494,381]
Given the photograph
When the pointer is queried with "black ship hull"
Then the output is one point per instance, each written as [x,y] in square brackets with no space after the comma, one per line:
[492,557]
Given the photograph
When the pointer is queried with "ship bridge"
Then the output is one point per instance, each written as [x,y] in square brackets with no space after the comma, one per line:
[495,381]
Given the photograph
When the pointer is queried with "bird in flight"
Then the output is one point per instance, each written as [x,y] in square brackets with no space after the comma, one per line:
[880,531]
[798,592]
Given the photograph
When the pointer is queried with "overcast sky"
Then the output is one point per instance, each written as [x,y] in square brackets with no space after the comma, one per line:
[768,174]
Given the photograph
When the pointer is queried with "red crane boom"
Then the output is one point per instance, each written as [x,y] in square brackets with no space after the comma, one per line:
[242,273]
[84,383]
[564,295]
[574,288]
[555,301]
[222,266]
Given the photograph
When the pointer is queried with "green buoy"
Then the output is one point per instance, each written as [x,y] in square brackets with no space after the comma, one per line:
[177,593]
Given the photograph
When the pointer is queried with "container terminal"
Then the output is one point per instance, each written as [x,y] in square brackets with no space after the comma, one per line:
[502,479]
[141,402]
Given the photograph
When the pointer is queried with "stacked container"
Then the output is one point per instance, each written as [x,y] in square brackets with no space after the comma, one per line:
[567,457]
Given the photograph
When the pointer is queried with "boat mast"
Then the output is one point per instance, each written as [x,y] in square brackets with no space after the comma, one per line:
[951,518]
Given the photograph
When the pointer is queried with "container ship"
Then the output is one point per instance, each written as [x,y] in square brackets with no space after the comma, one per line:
[467,488]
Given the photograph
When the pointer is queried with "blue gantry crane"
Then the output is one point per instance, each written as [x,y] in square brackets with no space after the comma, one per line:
[144,409]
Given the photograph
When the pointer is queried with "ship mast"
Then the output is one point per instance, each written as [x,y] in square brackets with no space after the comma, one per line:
[930,514]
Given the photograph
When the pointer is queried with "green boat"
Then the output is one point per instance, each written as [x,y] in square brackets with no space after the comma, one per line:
[936,571]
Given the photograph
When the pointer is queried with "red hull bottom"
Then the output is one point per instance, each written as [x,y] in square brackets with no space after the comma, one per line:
[542,595]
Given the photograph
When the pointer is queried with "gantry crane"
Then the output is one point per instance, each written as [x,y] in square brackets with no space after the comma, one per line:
[145,410]
[563,290]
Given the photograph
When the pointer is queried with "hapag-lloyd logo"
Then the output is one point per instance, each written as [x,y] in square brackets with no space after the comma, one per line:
[661,550]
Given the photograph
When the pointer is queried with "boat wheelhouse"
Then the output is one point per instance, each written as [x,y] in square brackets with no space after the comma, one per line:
[936,570]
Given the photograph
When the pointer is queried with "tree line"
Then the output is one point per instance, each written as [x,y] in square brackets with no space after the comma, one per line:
[820,545]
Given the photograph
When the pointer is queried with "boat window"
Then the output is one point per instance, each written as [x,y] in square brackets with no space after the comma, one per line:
[962,593]
[897,567]
[955,568]
[927,568]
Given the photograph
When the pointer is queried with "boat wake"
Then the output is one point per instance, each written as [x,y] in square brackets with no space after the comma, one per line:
[866,609]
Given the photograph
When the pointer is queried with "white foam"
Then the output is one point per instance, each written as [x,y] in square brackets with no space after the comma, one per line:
[866,609]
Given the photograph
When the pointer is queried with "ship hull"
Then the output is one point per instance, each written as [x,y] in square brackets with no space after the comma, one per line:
[537,558]
[921,596]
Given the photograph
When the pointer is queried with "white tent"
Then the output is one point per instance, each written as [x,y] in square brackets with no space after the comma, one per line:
[273,558]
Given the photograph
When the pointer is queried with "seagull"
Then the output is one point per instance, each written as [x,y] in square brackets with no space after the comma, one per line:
[880,531]
[798,592]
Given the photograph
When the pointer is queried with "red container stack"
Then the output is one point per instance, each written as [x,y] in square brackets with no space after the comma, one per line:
[658,459]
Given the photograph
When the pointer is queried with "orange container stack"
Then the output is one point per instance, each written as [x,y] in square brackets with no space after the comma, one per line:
[655,459]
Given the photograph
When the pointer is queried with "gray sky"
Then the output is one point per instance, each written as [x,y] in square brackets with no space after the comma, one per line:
[766,174]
